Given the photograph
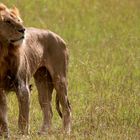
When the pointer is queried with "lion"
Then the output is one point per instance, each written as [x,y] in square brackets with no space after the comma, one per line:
[27,53]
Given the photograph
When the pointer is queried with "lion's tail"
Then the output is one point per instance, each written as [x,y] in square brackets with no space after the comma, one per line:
[58,105]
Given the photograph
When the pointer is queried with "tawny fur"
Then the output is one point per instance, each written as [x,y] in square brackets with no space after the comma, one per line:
[43,55]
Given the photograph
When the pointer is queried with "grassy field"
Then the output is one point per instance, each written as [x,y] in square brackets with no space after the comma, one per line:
[103,37]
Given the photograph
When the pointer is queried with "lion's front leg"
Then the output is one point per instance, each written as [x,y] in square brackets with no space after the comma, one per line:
[23,95]
[3,115]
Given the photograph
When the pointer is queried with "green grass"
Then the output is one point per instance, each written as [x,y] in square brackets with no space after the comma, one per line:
[104,71]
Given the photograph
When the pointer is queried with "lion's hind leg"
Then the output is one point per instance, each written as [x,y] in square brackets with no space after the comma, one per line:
[45,88]
[60,84]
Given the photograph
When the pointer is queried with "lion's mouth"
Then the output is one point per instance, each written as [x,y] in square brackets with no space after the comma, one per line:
[15,40]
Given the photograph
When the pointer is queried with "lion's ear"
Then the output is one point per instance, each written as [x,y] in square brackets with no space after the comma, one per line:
[2,7]
[15,11]
[1,17]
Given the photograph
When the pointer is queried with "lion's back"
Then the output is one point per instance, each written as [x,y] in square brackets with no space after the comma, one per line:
[45,40]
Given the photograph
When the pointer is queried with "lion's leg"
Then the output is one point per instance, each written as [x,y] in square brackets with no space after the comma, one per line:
[45,87]
[57,66]
[60,83]
[23,95]
[3,115]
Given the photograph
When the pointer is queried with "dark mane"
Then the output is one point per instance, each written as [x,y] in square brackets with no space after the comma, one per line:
[9,67]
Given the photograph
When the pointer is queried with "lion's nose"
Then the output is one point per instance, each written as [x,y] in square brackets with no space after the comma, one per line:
[21,30]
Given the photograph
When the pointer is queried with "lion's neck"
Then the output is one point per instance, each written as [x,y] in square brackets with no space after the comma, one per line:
[3,54]
[3,41]
[6,48]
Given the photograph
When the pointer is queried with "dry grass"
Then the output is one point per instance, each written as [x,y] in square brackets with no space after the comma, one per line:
[104,70]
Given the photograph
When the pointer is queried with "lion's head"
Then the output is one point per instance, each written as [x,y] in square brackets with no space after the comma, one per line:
[11,26]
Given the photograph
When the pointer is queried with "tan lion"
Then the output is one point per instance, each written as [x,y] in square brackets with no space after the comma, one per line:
[27,52]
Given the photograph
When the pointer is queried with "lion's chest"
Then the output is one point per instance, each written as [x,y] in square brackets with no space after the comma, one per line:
[8,73]
[8,81]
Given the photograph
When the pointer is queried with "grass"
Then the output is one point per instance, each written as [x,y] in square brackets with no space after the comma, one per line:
[104,71]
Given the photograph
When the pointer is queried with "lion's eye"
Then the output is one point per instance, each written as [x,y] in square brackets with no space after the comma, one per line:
[8,21]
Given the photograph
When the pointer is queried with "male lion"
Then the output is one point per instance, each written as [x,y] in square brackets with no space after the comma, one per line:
[27,52]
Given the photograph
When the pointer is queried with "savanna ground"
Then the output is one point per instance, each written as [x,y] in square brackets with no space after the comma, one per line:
[103,37]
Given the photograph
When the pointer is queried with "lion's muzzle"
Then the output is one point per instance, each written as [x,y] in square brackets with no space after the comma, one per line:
[21,30]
